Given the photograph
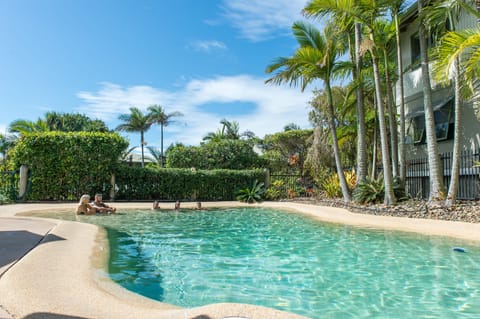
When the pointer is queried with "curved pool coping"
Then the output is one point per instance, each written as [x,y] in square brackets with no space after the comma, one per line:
[64,277]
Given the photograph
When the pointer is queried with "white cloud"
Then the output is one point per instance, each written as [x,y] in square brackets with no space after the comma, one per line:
[207,46]
[258,20]
[273,106]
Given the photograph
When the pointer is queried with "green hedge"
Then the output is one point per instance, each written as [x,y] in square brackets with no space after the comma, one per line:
[136,183]
[66,165]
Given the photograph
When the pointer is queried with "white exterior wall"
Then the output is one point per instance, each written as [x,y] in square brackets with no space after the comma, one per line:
[413,90]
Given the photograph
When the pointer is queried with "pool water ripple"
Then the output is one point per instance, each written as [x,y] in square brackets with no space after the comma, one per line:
[291,262]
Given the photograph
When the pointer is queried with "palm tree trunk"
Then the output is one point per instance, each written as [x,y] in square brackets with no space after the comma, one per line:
[454,181]
[142,142]
[361,127]
[336,149]
[161,144]
[387,170]
[401,146]
[392,119]
[373,174]
[437,192]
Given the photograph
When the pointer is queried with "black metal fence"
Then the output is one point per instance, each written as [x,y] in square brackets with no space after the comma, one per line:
[418,177]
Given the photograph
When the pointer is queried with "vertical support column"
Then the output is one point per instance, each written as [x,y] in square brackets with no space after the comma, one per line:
[112,189]
[22,185]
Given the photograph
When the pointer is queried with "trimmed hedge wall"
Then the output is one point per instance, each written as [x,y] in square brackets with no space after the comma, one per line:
[136,183]
[64,166]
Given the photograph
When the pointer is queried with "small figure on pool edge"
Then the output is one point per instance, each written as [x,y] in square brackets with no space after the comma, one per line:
[177,205]
[84,207]
[101,207]
[156,205]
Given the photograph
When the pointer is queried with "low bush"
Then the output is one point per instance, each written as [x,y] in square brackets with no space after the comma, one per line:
[136,183]
[252,194]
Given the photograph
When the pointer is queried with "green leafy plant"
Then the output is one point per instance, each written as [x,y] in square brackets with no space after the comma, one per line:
[369,191]
[276,190]
[373,191]
[252,194]
[4,199]
[331,184]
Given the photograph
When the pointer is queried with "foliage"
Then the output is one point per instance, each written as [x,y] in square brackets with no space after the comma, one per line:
[222,154]
[66,165]
[280,148]
[331,184]
[373,191]
[252,194]
[63,122]
[181,184]
[369,191]
[4,199]
[277,190]
[67,122]
[230,131]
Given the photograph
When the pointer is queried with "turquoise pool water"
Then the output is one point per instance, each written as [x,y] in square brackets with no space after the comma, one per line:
[291,262]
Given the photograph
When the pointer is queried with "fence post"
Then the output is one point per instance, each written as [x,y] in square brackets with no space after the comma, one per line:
[267,177]
[112,190]
[22,185]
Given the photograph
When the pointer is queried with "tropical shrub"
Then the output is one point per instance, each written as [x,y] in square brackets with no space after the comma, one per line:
[276,190]
[65,165]
[252,194]
[331,184]
[222,154]
[373,191]
[4,199]
[136,183]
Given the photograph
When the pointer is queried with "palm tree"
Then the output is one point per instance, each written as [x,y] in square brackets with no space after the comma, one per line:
[448,67]
[317,58]
[157,115]
[345,19]
[437,192]
[396,7]
[136,121]
[25,126]
[366,12]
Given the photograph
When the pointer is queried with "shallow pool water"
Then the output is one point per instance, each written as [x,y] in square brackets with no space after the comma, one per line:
[290,262]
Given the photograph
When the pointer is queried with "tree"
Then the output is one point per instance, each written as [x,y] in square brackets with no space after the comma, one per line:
[286,150]
[7,142]
[396,7]
[157,115]
[24,126]
[136,121]
[66,122]
[343,14]
[230,131]
[437,192]
[317,58]
[448,66]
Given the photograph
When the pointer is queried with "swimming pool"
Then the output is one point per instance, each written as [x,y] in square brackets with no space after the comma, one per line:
[290,262]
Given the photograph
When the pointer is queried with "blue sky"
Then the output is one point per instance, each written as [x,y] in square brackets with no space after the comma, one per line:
[204,58]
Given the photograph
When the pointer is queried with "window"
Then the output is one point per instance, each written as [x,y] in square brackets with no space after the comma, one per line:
[415,47]
[443,120]
[416,130]
[443,123]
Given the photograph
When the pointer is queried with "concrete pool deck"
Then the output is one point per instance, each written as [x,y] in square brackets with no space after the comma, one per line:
[55,269]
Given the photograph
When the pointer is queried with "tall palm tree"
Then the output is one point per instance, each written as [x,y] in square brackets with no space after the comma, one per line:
[345,19]
[366,12]
[437,192]
[136,121]
[396,7]
[444,70]
[317,58]
[157,115]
